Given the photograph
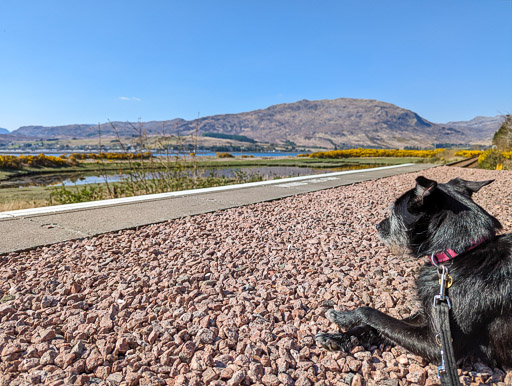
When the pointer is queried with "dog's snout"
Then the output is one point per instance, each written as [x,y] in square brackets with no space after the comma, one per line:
[381,226]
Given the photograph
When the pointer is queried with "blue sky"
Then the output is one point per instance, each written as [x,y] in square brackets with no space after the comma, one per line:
[65,62]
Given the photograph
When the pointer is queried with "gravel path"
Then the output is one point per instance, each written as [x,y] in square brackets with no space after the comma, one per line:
[232,297]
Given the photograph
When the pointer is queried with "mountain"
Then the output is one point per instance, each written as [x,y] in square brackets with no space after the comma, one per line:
[124,129]
[10,138]
[53,131]
[4,131]
[479,128]
[337,123]
[331,123]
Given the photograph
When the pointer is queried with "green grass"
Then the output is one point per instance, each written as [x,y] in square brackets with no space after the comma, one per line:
[304,162]
[21,198]
[32,193]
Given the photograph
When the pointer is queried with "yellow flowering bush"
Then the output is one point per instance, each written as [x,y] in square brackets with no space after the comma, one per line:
[507,154]
[112,156]
[490,158]
[10,162]
[225,155]
[42,160]
[468,153]
[374,153]
[19,162]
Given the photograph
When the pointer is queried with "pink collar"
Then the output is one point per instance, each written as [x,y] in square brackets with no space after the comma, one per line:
[449,254]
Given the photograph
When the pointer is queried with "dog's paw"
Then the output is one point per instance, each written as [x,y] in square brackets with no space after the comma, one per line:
[344,319]
[336,342]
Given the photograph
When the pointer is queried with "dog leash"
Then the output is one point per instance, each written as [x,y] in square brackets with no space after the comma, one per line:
[447,370]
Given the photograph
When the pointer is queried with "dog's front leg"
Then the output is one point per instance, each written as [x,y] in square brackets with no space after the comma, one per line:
[358,336]
[375,327]
[349,319]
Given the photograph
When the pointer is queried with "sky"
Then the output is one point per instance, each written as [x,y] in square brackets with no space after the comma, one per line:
[64,62]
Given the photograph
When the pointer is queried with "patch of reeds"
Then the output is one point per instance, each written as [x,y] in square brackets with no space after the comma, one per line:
[21,204]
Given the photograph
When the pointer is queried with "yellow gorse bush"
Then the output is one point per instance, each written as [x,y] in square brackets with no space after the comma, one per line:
[374,153]
[10,162]
[490,159]
[468,153]
[19,162]
[507,154]
[42,160]
[111,156]
[225,155]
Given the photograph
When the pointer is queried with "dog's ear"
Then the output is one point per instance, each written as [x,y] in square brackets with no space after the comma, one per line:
[468,187]
[424,187]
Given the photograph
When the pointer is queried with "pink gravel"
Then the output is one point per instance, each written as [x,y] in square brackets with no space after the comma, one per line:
[233,297]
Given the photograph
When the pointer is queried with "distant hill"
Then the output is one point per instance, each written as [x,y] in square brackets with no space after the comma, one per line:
[334,123]
[8,138]
[76,130]
[4,131]
[479,128]
[338,123]
[124,129]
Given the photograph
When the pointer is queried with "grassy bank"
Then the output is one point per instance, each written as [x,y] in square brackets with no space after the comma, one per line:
[305,162]
[23,198]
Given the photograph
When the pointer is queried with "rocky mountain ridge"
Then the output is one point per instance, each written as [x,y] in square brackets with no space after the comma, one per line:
[337,123]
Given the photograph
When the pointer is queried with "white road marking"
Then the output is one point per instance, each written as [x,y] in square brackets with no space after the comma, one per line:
[292,184]
[313,181]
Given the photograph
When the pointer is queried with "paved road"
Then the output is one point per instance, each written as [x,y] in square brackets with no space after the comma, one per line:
[25,229]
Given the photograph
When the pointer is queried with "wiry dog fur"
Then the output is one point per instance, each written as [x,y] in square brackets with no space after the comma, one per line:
[428,219]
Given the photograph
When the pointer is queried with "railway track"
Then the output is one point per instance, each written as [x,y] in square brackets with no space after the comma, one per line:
[466,163]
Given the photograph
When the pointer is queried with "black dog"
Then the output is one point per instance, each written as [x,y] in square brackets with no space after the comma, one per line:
[443,222]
